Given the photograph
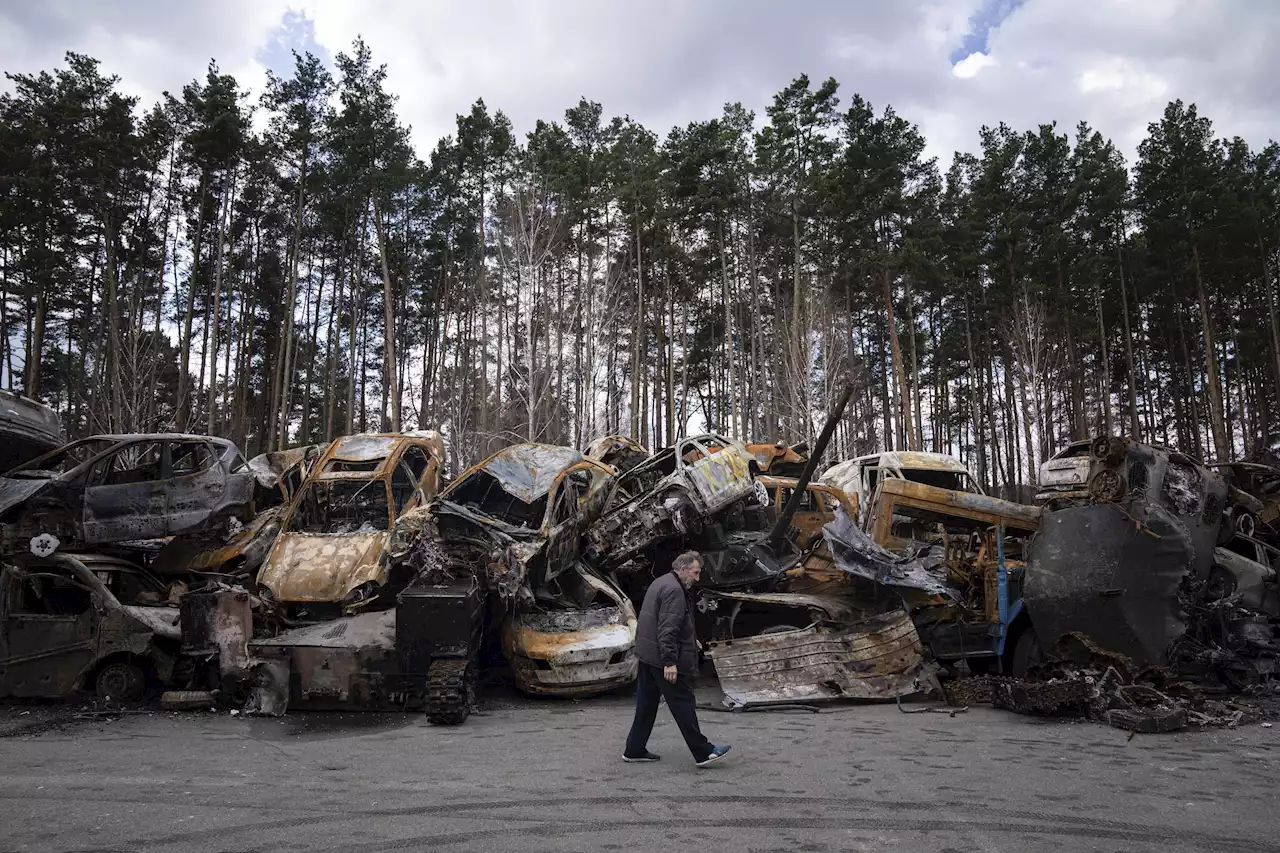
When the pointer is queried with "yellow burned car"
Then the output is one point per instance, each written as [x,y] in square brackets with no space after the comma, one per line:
[332,549]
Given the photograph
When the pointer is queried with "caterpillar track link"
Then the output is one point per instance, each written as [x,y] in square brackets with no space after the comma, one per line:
[449,692]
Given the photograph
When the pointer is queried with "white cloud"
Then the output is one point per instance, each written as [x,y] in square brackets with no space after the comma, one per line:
[1113,63]
[972,64]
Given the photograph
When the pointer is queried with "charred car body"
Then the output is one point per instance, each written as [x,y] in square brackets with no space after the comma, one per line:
[236,553]
[861,477]
[27,429]
[780,459]
[116,488]
[617,451]
[1114,551]
[519,517]
[85,621]
[331,555]
[678,491]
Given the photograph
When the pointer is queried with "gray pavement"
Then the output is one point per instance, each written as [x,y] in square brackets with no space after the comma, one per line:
[546,775]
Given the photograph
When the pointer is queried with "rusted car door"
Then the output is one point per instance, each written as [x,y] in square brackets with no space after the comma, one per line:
[196,488]
[125,494]
[48,632]
[565,519]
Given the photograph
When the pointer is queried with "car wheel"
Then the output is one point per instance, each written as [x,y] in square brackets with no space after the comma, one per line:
[120,681]
[1026,654]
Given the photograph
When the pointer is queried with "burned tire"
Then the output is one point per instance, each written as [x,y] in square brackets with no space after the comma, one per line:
[1026,653]
[120,681]
[450,689]
[1106,486]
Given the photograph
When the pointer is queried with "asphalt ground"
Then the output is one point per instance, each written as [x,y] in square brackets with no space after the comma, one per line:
[546,775]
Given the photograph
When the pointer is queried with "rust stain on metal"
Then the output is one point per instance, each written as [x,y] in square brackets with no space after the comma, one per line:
[820,507]
[895,496]
[879,658]
[323,567]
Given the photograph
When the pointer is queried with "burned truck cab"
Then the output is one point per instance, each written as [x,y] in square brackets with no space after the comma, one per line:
[1115,549]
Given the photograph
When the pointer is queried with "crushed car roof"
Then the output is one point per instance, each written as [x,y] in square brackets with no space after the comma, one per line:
[526,471]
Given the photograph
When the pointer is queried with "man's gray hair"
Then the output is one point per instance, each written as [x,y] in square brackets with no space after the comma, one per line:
[686,560]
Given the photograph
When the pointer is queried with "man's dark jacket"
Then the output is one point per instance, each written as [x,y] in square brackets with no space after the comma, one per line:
[665,634]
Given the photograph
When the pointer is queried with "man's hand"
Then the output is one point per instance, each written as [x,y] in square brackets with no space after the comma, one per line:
[669,673]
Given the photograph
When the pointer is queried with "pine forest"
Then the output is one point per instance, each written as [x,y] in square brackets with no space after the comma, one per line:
[283,267]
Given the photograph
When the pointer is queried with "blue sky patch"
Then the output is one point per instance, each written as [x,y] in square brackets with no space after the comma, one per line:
[980,24]
[295,32]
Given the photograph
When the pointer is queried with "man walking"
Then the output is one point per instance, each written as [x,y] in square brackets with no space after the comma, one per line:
[668,653]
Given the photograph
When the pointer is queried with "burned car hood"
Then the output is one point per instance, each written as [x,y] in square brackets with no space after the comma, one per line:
[528,471]
[14,492]
[323,567]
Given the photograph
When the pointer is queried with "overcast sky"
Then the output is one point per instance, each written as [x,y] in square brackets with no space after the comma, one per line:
[948,65]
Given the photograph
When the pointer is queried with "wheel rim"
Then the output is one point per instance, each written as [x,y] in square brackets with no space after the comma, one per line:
[117,682]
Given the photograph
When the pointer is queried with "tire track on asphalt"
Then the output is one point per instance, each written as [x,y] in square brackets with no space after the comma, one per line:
[926,826]
[978,817]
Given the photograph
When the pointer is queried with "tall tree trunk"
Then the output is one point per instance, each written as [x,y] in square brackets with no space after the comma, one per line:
[184,341]
[1220,444]
[906,429]
[1274,316]
[732,388]
[216,306]
[1131,379]
[389,323]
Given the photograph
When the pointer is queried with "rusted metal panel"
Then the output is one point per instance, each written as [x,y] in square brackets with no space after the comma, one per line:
[779,459]
[348,661]
[807,523]
[893,496]
[218,622]
[324,567]
[879,658]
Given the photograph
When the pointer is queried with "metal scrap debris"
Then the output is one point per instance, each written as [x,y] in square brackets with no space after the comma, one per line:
[856,553]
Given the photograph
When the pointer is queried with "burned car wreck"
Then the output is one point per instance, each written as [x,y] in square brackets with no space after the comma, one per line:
[117,488]
[673,495]
[519,516]
[331,554]
[85,621]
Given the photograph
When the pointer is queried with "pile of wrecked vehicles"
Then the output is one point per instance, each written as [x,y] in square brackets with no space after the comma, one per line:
[355,575]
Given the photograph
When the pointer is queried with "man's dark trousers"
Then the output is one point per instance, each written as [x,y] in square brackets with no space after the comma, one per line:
[679,695]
